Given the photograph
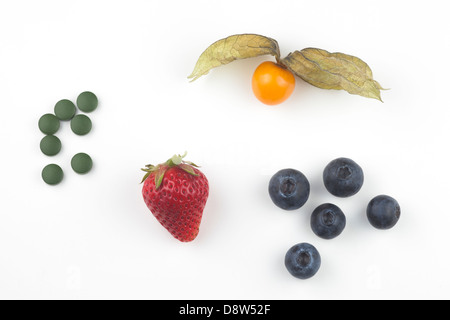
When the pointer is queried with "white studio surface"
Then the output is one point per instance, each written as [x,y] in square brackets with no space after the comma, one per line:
[92,237]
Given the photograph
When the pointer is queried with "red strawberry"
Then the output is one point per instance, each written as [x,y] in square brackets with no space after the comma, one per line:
[176,193]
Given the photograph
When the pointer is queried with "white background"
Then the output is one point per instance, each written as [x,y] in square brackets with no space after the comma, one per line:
[92,237]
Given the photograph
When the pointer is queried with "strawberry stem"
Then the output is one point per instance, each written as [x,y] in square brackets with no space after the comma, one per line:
[176,160]
[160,169]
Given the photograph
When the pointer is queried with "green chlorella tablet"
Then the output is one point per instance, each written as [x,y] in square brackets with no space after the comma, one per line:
[52,174]
[50,145]
[48,123]
[87,101]
[81,163]
[65,109]
[81,124]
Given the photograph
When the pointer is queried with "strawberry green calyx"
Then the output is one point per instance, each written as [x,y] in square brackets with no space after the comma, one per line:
[160,169]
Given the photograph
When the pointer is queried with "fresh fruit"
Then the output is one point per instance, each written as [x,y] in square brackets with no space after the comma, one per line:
[318,67]
[302,260]
[176,193]
[272,83]
[343,177]
[383,212]
[328,221]
[289,189]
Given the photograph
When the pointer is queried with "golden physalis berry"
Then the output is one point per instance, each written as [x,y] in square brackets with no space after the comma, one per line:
[272,83]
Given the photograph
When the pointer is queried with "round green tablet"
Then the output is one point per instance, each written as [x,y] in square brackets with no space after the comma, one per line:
[50,145]
[81,163]
[81,124]
[52,174]
[48,123]
[65,109]
[87,101]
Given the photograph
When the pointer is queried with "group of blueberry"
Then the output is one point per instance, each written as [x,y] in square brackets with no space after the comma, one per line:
[50,145]
[289,189]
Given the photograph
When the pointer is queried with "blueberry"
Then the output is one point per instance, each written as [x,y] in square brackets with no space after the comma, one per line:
[328,221]
[289,189]
[343,177]
[383,212]
[302,260]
